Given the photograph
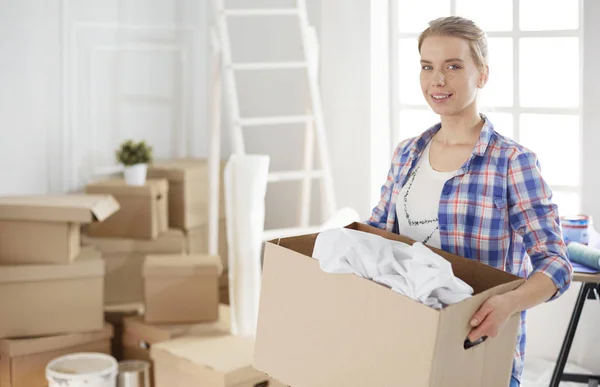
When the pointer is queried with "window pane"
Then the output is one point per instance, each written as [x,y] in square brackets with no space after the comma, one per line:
[536,15]
[499,89]
[414,122]
[413,16]
[555,140]
[409,69]
[549,72]
[567,202]
[503,123]
[488,15]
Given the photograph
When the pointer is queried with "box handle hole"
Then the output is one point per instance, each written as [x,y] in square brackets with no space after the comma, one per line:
[262,384]
[470,344]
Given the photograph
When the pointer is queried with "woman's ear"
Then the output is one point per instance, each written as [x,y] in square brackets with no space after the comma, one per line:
[483,76]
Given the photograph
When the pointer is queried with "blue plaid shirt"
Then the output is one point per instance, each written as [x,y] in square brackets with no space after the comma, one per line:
[497,210]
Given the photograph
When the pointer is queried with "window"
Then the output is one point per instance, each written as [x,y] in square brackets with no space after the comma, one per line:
[533,94]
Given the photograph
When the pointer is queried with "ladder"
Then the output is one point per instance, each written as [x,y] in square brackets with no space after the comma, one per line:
[313,119]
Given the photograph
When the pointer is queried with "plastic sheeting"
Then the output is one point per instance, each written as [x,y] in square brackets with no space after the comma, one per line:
[245,179]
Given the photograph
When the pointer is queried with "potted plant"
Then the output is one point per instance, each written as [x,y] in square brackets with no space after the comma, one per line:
[135,158]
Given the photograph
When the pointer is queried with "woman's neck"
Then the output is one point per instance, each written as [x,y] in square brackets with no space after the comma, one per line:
[460,129]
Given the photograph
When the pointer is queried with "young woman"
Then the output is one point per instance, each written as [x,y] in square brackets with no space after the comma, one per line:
[462,187]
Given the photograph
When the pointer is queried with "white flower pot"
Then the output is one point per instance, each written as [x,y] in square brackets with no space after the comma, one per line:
[135,174]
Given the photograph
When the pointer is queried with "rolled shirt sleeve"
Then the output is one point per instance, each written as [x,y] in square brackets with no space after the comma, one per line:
[535,218]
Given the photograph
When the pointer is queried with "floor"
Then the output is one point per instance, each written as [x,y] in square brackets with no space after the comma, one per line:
[538,373]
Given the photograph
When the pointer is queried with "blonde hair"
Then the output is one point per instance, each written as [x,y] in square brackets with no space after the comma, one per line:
[461,28]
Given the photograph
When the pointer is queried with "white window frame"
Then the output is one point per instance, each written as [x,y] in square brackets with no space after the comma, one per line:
[516,109]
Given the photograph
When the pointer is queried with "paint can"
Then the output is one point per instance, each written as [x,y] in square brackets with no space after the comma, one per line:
[576,228]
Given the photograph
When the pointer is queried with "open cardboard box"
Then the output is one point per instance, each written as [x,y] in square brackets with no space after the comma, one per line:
[144,212]
[46,228]
[317,329]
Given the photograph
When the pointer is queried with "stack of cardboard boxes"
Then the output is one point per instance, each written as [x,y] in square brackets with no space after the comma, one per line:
[188,208]
[161,285]
[120,262]
[51,289]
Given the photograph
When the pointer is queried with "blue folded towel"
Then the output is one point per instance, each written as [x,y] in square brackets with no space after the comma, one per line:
[584,255]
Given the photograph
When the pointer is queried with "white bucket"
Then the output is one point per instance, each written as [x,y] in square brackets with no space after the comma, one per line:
[135,174]
[82,370]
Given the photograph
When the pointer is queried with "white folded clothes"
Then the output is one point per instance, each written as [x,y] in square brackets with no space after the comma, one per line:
[414,271]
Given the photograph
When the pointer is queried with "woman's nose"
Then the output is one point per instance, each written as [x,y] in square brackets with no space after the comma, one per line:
[438,79]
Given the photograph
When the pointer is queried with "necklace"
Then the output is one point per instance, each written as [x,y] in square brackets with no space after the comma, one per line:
[414,223]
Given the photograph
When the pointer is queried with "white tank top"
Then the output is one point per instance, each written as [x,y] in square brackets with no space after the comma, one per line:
[418,202]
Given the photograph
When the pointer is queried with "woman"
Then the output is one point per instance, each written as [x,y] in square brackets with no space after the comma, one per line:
[468,190]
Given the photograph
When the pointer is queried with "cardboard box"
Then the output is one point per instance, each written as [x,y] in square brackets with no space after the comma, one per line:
[46,229]
[188,190]
[181,288]
[224,361]
[139,336]
[350,331]
[23,361]
[115,315]
[144,209]
[197,241]
[124,260]
[52,299]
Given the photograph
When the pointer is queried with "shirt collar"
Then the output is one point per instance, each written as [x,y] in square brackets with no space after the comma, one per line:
[481,145]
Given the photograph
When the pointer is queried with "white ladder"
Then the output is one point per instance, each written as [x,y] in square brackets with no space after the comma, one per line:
[315,128]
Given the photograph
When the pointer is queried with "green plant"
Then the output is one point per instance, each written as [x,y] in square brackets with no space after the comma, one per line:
[131,153]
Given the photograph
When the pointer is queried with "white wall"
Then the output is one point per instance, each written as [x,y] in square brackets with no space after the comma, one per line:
[80,76]
[345,75]
[29,96]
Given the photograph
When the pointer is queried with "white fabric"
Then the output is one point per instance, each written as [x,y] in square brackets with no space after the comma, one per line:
[422,202]
[414,271]
[245,189]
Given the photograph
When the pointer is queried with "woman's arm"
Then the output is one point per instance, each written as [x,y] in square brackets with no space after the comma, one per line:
[534,217]
[495,312]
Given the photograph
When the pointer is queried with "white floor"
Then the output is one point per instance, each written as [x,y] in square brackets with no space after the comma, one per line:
[538,373]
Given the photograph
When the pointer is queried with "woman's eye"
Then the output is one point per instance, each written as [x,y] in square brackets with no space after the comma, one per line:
[425,67]
[454,67]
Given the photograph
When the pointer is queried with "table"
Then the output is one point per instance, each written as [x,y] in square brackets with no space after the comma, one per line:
[590,290]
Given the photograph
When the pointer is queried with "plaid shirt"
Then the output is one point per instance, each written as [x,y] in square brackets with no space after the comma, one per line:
[496,210]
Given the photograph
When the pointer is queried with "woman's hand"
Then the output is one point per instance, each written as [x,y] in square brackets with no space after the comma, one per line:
[492,316]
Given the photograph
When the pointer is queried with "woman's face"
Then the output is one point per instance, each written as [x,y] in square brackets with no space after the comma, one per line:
[449,76]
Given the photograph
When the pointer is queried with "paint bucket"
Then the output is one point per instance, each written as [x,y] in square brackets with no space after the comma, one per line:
[576,228]
[82,370]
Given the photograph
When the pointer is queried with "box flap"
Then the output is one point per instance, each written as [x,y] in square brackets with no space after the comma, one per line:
[27,346]
[169,242]
[155,333]
[78,208]
[118,187]
[182,265]
[87,264]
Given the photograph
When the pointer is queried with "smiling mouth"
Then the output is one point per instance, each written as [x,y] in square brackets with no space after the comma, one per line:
[440,97]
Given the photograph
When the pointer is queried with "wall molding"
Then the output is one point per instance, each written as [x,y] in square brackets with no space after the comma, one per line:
[79,128]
